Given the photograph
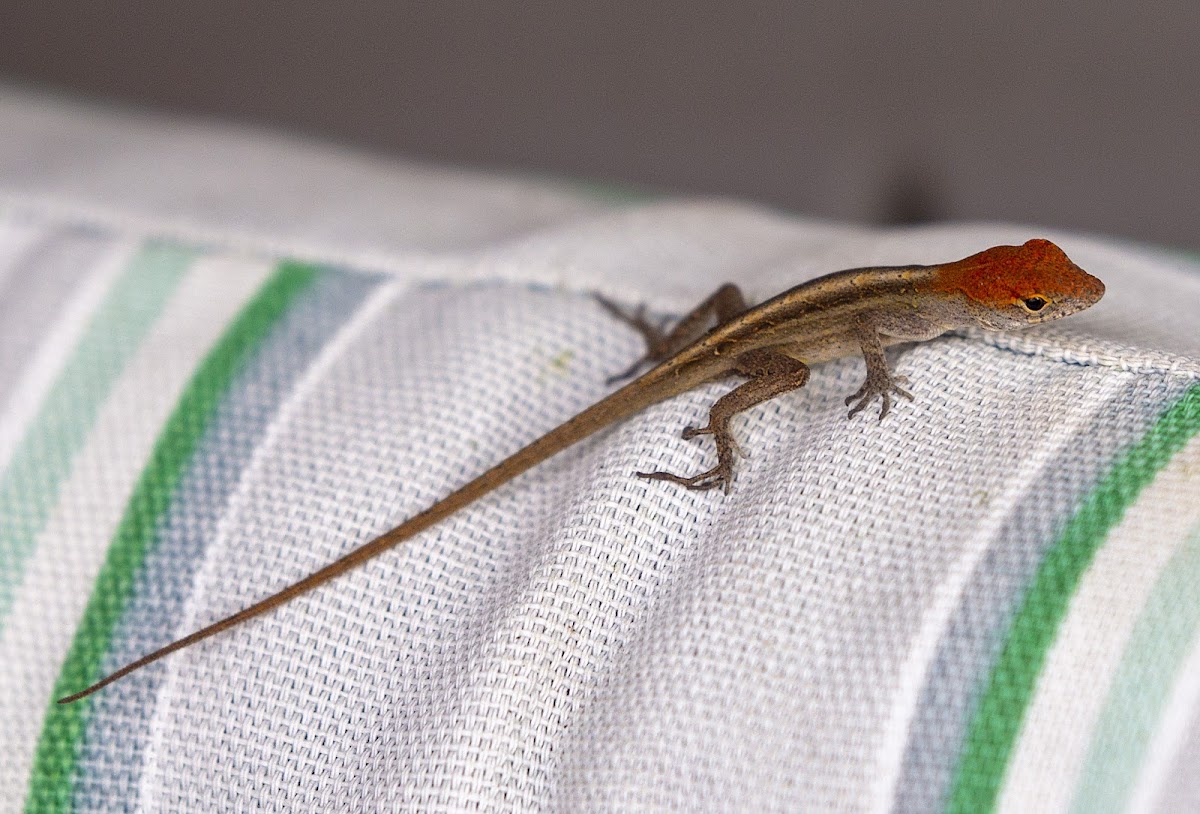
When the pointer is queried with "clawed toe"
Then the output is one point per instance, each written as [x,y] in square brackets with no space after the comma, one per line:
[872,390]
[653,334]
[720,475]
[717,476]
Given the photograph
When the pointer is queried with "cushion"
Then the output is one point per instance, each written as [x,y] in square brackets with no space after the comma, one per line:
[228,358]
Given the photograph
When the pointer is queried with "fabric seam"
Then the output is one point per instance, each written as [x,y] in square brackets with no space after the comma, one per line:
[1059,347]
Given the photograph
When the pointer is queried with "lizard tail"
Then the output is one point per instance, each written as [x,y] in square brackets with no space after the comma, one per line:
[656,385]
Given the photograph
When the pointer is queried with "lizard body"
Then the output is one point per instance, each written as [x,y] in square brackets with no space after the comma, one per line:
[771,345]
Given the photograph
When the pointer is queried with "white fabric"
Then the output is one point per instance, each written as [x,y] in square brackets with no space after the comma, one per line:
[580,639]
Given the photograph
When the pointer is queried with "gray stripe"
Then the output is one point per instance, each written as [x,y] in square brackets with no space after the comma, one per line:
[117,732]
[33,293]
[971,643]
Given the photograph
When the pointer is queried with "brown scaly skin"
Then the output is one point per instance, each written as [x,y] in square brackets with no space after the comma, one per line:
[860,311]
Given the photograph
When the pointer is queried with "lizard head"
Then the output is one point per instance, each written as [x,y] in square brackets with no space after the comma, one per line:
[1014,286]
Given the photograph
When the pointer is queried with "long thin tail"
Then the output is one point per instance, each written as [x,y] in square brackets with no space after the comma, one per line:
[654,386]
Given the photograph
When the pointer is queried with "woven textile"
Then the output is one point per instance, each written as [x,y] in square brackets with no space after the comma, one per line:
[986,601]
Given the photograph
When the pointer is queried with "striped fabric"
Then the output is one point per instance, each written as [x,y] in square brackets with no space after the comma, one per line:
[222,340]
[1023,636]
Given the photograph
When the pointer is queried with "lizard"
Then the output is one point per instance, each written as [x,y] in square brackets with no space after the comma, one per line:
[771,346]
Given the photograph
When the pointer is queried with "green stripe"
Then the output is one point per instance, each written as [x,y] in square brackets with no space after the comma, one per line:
[58,748]
[1161,640]
[997,721]
[43,458]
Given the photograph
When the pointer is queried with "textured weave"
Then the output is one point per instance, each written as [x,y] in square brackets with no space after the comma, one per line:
[986,601]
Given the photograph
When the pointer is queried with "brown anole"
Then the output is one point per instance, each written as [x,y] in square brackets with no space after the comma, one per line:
[771,346]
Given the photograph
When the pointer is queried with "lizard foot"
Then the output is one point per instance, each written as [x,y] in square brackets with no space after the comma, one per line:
[724,438]
[878,386]
[655,336]
[720,475]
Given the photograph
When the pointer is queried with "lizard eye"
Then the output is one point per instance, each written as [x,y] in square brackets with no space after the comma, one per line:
[1035,303]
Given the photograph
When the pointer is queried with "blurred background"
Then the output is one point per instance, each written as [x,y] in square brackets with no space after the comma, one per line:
[1082,115]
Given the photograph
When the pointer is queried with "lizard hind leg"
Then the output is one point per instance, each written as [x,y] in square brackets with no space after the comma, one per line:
[722,305]
[771,374]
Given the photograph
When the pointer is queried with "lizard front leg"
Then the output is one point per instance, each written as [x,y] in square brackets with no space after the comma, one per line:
[771,374]
[880,383]
[724,304]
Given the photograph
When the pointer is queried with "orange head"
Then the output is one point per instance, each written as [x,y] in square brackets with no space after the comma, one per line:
[1014,286]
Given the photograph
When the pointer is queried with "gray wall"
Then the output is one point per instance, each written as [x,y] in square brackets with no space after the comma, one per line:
[1080,115]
